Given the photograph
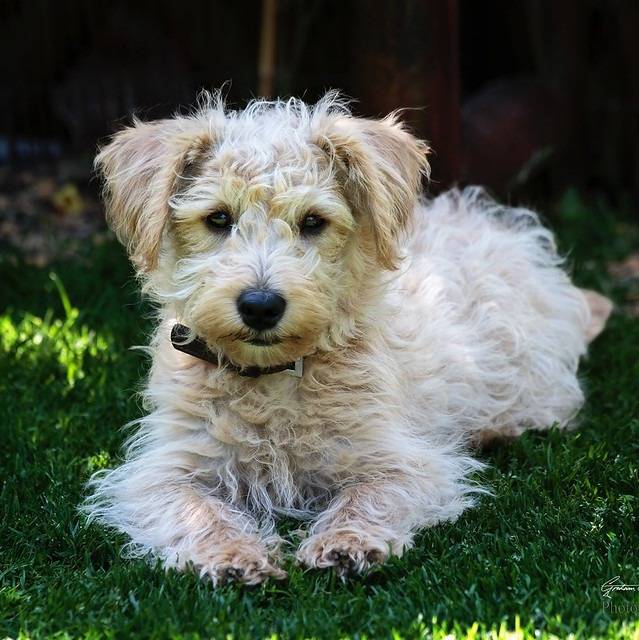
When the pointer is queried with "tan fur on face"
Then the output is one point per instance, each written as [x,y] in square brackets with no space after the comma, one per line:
[477,334]
[142,166]
[363,176]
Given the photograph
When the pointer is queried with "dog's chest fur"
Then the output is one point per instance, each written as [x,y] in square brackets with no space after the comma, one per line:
[276,442]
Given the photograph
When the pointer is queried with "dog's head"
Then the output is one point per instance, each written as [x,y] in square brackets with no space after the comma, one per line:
[266,230]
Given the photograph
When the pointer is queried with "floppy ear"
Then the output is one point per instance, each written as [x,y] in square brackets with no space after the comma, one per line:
[382,167]
[141,167]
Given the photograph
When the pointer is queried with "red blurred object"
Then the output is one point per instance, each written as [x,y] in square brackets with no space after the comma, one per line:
[509,129]
[407,55]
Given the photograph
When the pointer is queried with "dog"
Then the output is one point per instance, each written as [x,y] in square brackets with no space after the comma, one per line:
[331,344]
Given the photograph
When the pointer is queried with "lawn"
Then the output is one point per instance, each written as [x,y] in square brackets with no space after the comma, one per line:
[529,561]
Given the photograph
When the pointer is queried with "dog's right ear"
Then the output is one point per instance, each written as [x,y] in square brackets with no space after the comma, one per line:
[141,167]
[382,166]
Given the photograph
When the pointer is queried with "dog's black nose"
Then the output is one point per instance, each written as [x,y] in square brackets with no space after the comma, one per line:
[261,309]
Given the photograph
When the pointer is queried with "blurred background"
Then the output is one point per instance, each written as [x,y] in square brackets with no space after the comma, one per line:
[538,100]
[531,98]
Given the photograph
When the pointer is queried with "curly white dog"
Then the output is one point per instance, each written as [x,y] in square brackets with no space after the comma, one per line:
[328,344]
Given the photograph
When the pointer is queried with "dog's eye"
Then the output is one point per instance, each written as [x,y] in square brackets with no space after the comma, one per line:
[312,223]
[219,220]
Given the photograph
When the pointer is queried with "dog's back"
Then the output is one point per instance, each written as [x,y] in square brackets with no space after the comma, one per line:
[493,314]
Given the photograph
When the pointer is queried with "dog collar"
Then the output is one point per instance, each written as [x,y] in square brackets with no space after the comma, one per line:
[197,348]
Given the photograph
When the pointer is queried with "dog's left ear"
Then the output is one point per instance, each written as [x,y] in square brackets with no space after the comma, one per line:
[142,166]
[382,166]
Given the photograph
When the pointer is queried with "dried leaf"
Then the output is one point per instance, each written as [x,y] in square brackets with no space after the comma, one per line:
[67,200]
[625,270]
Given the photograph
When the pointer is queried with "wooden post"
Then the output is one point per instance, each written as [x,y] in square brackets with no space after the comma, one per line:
[268,46]
[406,54]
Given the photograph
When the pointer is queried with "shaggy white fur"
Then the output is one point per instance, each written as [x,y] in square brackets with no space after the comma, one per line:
[424,327]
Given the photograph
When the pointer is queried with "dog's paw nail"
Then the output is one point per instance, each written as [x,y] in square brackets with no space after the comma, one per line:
[375,556]
[235,572]
[346,555]
[230,574]
[342,560]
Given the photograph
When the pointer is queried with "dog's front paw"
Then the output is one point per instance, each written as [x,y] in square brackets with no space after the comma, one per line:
[240,561]
[346,552]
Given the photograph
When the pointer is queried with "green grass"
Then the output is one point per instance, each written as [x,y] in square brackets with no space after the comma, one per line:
[563,518]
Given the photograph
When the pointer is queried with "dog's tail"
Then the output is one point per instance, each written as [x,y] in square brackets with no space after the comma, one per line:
[600,310]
